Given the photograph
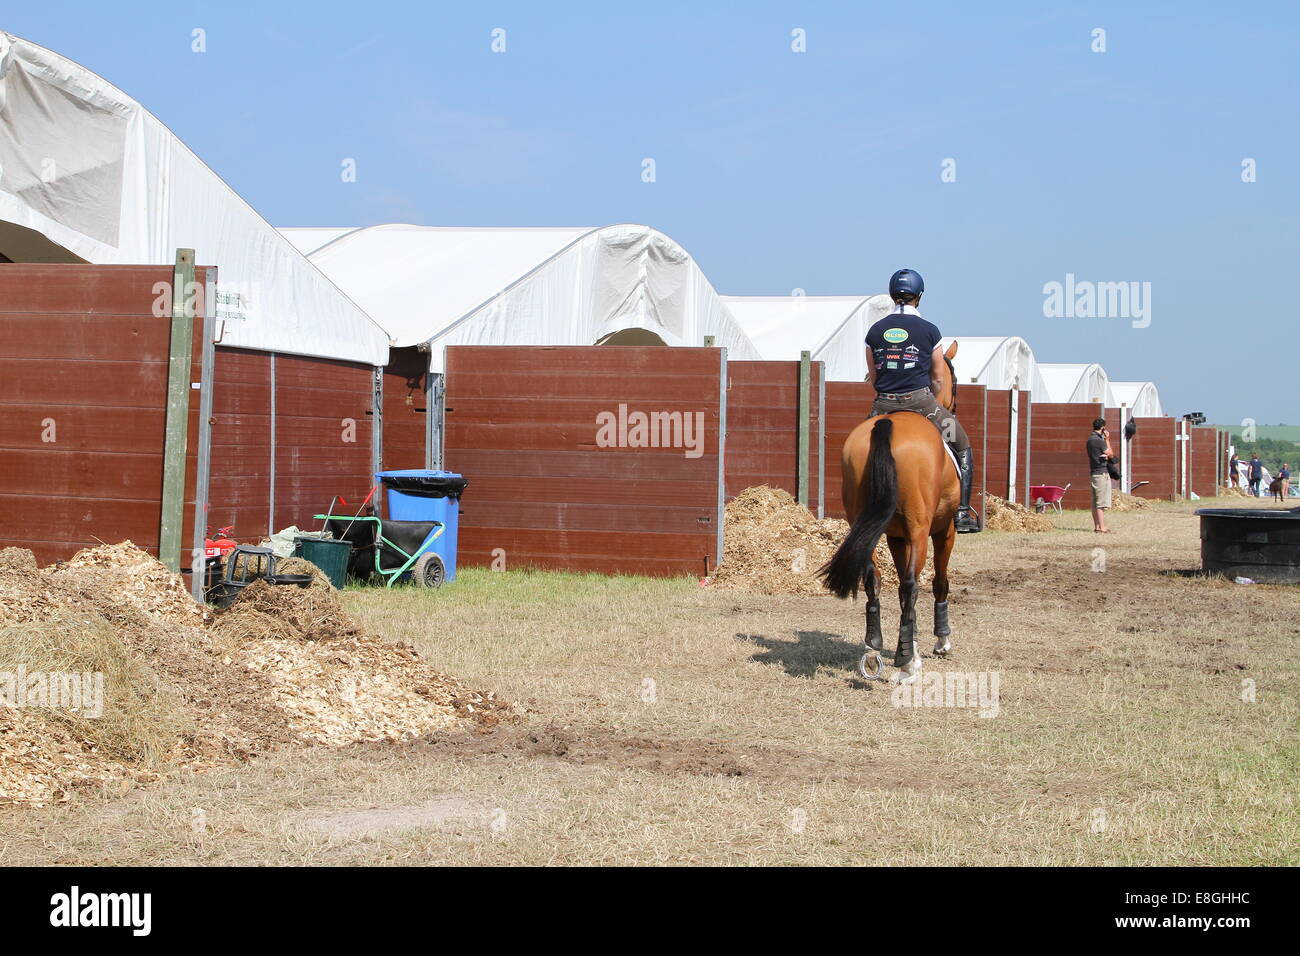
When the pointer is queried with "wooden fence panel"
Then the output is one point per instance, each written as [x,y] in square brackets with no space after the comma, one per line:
[1058,454]
[83,390]
[561,473]
[763,427]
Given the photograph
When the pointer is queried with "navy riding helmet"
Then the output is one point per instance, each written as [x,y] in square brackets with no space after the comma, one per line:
[906,282]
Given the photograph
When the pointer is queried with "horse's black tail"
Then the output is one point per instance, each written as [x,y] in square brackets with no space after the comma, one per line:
[843,571]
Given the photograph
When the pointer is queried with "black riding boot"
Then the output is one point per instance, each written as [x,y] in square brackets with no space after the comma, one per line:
[967,521]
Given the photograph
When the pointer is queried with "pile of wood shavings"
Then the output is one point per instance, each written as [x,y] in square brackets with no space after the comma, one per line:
[336,684]
[136,577]
[42,763]
[1001,515]
[773,545]
[1123,501]
[282,666]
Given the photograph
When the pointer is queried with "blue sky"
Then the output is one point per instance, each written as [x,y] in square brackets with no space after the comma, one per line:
[781,170]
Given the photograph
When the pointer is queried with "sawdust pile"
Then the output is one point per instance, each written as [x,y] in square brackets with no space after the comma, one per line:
[282,666]
[1002,515]
[774,545]
[1122,501]
[295,565]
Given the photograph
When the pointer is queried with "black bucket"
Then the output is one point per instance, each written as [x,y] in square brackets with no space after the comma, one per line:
[1260,544]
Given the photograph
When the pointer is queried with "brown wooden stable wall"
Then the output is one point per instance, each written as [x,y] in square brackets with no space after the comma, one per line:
[1152,457]
[405,415]
[998,445]
[848,404]
[319,438]
[521,424]
[83,383]
[763,427]
[1204,461]
[80,345]
[972,412]
[1057,453]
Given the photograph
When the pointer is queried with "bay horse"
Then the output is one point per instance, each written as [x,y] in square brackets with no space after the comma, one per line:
[900,482]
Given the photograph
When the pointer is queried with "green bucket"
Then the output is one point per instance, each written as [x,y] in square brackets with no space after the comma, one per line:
[330,556]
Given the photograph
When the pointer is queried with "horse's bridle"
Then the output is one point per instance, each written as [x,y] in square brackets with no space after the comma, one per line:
[953,373]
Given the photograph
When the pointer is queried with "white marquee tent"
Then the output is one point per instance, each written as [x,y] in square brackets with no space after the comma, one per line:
[87,174]
[621,284]
[831,327]
[1076,383]
[1141,397]
[998,361]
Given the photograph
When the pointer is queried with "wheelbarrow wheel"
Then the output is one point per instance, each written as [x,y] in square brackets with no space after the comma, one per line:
[428,571]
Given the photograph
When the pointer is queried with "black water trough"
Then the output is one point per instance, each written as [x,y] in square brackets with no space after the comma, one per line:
[1260,544]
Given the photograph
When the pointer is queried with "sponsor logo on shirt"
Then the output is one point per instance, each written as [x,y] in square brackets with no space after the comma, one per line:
[895,335]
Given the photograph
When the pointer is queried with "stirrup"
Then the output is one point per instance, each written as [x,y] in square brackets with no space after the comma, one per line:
[968,521]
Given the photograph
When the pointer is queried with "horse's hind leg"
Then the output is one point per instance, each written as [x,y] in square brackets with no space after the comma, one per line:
[909,559]
[943,543]
[870,665]
[871,584]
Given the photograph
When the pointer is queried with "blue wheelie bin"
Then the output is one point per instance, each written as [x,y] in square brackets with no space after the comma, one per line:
[418,495]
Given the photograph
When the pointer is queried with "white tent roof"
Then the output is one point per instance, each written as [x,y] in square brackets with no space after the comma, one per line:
[494,286]
[834,328]
[782,326]
[831,327]
[1141,397]
[1085,382]
[86,173]
[998,361]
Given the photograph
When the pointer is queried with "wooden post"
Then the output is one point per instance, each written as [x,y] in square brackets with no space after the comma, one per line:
[178,412]
[805,408]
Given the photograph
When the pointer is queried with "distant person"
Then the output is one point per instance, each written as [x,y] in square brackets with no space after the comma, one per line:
[1099,454]
[1256,469]
[1284,473]
[1234,471]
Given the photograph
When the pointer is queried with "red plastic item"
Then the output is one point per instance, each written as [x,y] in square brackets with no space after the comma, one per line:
[221,545]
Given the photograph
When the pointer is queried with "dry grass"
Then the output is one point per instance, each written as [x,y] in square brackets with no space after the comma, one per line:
[672,724]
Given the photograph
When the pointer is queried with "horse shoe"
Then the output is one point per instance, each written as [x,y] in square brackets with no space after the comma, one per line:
[878,673]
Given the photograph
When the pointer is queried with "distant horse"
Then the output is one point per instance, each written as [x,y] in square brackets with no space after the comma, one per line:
[1275,489]
[900,482]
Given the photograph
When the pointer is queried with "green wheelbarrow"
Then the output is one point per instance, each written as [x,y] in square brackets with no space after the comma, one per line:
[391,549]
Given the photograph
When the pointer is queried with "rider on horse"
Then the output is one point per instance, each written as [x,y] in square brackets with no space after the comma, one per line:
[903,355]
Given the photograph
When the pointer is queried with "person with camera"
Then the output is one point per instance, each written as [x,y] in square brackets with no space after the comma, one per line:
[1100,457]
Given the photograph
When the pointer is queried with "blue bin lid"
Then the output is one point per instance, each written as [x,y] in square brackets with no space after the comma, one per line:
[422,481]
[417,473]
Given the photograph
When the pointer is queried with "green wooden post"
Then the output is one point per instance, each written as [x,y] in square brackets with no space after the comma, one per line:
[805,408]
[178,411]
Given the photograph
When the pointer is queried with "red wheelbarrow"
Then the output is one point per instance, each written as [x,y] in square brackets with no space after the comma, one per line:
[1047,496]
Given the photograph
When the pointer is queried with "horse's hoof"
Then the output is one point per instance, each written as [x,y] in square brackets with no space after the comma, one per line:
[870,666]
[942,647]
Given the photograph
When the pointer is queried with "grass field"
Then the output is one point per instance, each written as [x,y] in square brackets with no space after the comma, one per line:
[669,724]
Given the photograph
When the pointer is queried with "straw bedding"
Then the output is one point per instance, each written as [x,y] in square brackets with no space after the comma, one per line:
[183,687]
